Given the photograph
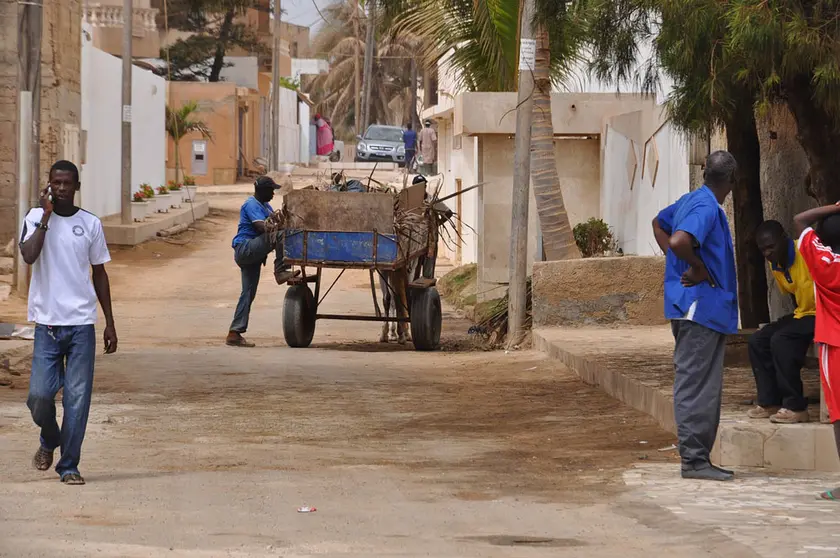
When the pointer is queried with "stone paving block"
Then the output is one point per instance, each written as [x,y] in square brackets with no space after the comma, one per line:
[826,450]
[791,447]
[741,446]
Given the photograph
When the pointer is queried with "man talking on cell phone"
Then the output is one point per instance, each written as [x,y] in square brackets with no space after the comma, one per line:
[65,245]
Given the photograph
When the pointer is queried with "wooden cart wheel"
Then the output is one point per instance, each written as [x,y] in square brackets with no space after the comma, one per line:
[426,319]
[299,316]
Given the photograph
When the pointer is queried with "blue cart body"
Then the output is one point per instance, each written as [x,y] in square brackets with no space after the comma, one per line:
[341,249]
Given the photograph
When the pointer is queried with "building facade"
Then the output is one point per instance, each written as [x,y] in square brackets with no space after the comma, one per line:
[60,99]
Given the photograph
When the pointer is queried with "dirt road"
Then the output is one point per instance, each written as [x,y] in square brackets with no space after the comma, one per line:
[199,450]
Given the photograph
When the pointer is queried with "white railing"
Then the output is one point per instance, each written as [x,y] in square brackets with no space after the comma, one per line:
[100,15]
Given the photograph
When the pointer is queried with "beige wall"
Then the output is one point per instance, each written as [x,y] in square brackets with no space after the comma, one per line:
[8,120]
[578,164]
[220,105]
[110,39]
[571,113]
[60,97]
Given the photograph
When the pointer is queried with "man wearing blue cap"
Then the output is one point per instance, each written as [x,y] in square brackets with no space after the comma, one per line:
[251,247]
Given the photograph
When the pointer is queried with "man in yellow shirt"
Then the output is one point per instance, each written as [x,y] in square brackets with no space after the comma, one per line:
[778,350]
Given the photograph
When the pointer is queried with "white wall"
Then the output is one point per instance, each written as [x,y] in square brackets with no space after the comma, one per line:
[101,118]
[304,118]
[459,163]
[243,71]
[289,137]
[309,67]
[630,210]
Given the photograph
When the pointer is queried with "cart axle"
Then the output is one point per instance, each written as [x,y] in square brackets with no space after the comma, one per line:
[360,318]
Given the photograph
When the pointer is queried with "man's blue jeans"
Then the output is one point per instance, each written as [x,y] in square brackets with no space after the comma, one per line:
[250,256]
[63,357]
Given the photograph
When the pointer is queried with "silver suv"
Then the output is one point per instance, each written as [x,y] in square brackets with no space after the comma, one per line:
[381,143]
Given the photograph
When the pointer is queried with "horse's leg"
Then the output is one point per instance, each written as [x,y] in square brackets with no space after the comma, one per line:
[386,305]
[402,306]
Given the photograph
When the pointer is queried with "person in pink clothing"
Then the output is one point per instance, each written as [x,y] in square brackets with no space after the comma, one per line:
[323,135]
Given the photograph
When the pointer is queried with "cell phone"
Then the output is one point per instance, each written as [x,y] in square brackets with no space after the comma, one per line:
[49,193]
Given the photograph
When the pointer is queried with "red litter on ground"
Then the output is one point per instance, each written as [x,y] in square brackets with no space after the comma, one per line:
[307,509]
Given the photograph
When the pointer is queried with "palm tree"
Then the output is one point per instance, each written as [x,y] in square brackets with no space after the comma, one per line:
[558,240]
[559,34]
[390,81]
[181,122]
[482,37]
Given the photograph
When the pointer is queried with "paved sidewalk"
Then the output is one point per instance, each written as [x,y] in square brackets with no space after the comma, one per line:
[775,516]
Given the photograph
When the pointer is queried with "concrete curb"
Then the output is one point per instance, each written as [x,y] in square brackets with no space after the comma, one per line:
[740,442]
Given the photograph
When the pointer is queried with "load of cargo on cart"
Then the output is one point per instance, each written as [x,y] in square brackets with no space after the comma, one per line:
[391,234]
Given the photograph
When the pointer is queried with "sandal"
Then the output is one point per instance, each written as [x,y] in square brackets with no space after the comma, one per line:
[43,459]
[73,479]
[238,342]
[827,495]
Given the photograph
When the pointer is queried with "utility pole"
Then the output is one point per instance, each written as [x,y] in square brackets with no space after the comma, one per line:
[370,42]
[30,27]
[357,88]
[128,25]
[517,288]
[274,136]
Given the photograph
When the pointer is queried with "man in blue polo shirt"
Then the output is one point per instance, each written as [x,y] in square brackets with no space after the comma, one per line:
[701,300]
[251,247]
[410,144]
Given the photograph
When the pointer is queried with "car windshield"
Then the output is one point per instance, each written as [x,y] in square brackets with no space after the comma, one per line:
[384,133]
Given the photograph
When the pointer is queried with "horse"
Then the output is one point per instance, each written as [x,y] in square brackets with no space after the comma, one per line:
[394,285]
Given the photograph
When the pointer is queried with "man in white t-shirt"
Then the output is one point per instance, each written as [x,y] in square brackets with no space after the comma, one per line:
[63,243]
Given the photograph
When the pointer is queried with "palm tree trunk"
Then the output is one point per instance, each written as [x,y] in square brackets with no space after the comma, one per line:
[558,241]
[177,158]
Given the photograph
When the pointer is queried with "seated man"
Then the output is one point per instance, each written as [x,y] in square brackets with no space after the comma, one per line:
[251,247]
[778,350]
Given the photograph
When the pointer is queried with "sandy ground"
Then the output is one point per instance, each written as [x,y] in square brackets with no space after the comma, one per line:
[199,450]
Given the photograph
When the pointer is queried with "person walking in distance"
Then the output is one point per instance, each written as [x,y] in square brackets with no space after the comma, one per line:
[428,149]
[251,247]
[701,300]
[410,143]
[324,141]
[63,243]
[820,248]
[778,350]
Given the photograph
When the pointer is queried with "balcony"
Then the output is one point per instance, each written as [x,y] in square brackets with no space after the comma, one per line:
[106,23]
[108,16]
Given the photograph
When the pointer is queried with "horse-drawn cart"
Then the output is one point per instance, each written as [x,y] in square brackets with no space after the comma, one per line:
[392,235]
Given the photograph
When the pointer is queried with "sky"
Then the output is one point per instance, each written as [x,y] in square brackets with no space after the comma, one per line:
[303,12]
